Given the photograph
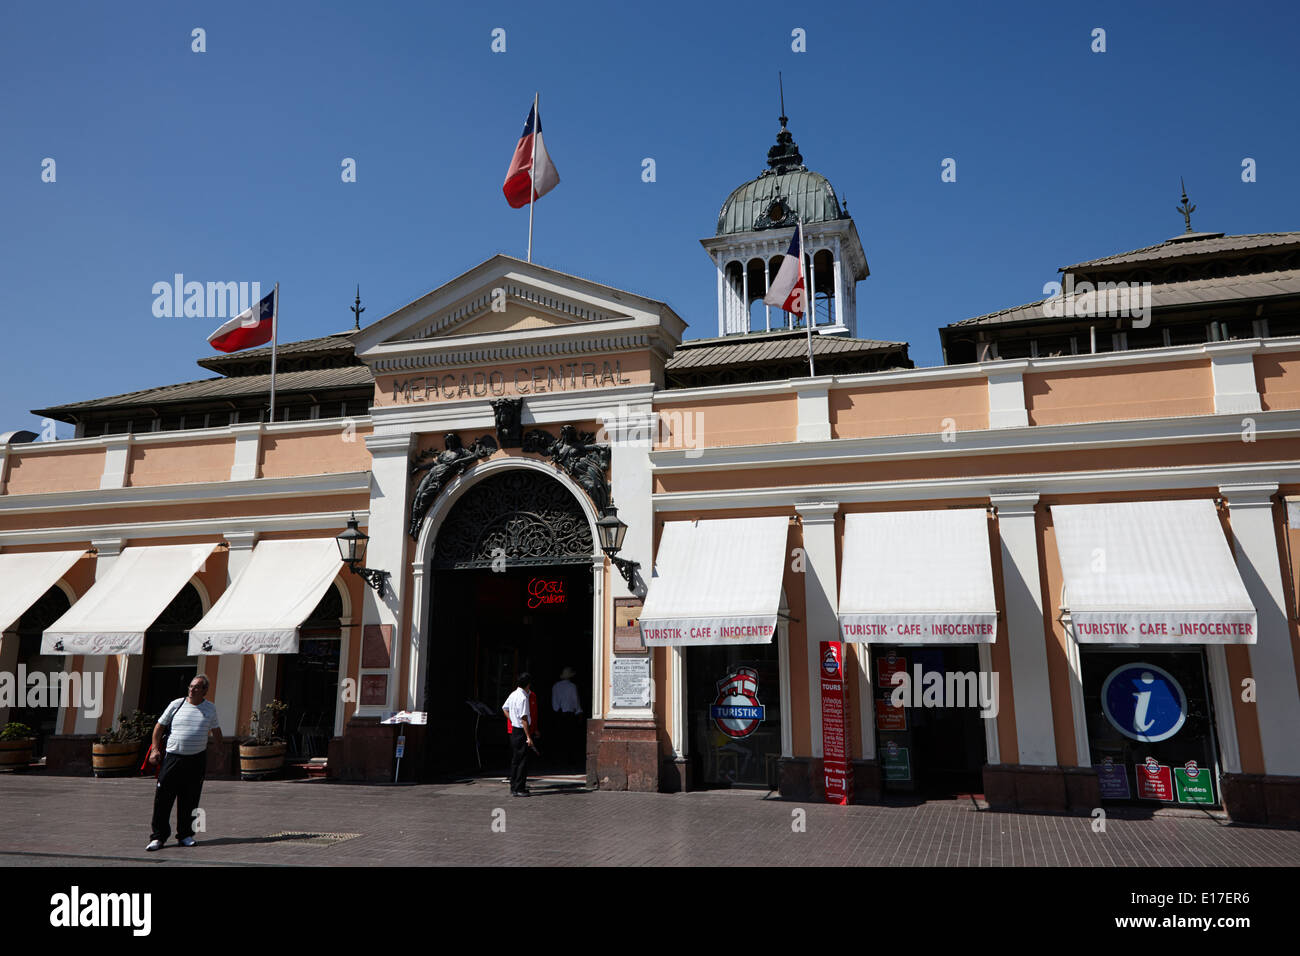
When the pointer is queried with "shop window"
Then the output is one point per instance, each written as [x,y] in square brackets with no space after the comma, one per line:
[1151,728]
[308,681]
[734,713]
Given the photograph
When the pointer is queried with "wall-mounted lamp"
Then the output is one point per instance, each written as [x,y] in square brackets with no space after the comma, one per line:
[352,548]
[612,531]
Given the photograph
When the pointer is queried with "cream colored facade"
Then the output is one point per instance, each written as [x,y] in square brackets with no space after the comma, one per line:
[1218,421]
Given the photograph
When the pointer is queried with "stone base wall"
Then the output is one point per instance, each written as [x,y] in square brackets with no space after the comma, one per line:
[1048,789]
[69,754]
[626,755]
[1256,798]
[367,751]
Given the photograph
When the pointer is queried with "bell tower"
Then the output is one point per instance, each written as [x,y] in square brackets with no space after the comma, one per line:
[754,230]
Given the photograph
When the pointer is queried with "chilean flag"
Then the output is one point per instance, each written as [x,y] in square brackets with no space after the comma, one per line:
[531,150]
[250,328]
[787,290]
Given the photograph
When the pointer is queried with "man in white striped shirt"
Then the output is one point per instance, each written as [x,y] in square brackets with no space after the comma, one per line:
[181,779]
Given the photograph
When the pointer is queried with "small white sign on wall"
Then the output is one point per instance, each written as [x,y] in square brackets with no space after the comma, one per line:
[631,680]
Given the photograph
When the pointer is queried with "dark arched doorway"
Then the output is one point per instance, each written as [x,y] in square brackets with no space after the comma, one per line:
[168,666]
[52,606]
[308,681]
[511,591]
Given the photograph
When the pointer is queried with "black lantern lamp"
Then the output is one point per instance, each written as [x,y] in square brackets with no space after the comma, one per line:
[612,532]
[352,548]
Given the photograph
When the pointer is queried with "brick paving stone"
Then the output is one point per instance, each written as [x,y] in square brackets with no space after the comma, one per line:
[62,821]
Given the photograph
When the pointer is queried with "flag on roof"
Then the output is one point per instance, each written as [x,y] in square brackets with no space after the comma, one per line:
[250,328]
[531,164]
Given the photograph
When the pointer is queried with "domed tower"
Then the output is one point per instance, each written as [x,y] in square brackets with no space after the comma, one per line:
[754,229]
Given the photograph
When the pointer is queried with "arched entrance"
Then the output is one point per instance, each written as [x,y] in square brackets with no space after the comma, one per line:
[308,681]
[511,590]
[168,666]
[52,606]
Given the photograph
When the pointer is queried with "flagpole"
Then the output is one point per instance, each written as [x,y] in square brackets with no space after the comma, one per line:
[807,318]
[275,334]
[532,175]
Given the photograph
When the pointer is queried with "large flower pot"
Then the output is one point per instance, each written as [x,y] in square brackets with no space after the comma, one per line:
[115,760]
[257,763]
[16,754]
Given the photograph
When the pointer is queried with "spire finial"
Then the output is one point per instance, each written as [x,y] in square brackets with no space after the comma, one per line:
[356,307]
[784,156]
[1186,209]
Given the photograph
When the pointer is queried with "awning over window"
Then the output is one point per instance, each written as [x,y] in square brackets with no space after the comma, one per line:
[918,577]
[1151,572]
[261,611]
[25,577]
[716,582]
[113,615]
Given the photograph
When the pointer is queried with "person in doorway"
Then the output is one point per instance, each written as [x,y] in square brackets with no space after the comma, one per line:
[181,779]
[568,707]
[521,734]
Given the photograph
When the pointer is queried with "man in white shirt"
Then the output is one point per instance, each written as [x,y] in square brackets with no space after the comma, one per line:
[181,779]
[521,735]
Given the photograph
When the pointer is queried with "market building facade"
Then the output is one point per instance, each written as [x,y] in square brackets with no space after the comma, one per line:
[1057,571]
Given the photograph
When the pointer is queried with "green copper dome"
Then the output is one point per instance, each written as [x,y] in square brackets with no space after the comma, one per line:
[784,193]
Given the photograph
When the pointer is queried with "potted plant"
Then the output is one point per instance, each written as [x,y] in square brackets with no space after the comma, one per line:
[117,753]
[262,754]
[16,744]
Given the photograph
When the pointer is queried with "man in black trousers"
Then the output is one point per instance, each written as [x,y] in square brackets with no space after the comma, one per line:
[521,735]
[181,779]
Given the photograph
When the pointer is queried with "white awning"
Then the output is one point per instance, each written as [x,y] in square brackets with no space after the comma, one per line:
[716,582]
[25,577]
[261,611]
[1151,572]
[918,577]
[113,615]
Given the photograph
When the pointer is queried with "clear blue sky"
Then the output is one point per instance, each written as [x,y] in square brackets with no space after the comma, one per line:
[225,165]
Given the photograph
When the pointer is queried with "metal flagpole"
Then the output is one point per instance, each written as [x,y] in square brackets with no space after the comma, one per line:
[532,175]
[275,333]
[807,318]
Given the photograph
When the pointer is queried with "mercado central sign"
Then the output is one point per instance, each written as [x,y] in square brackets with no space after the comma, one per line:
[513,380]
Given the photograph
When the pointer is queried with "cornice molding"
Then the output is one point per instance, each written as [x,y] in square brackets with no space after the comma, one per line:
[251,489]
[1026,439]
[326,521]
[985,487]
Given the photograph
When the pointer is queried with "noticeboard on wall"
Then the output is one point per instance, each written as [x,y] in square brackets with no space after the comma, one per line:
[627,626]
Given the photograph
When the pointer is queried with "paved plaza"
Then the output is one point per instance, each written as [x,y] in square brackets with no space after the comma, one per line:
[69,821]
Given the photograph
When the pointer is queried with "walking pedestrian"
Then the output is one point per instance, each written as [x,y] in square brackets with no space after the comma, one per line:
[516,709]
[181,779]
[568,706]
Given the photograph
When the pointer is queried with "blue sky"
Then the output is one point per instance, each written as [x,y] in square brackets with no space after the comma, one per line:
[225,165]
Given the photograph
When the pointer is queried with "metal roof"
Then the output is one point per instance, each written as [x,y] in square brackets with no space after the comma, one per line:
[217,389]
[1194,245]
[808,194]
[1167,295]
[340,342]
[757,347]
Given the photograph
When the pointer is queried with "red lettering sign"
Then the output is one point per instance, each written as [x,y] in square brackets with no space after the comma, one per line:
[543,591]
[835,730]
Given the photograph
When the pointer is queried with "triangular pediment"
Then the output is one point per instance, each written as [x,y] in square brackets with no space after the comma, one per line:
[507,295]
